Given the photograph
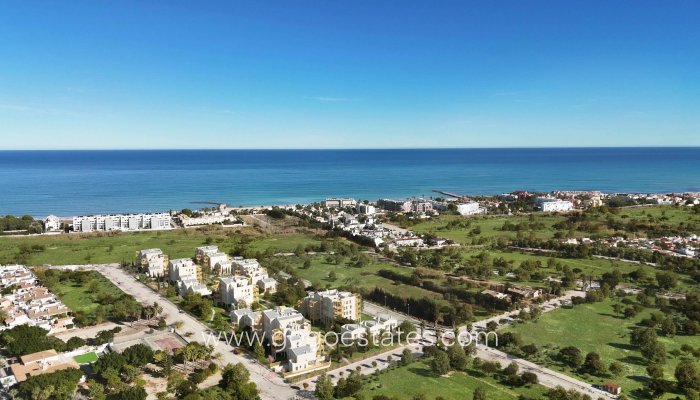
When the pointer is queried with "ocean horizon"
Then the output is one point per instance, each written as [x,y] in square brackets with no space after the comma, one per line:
[75,182]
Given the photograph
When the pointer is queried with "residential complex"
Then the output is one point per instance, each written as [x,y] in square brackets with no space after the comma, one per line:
[375,327]
[29,303]
[338,203]
[288,332]
[154,261]
[330,304]
[395,205]
[554,205]
[121,222]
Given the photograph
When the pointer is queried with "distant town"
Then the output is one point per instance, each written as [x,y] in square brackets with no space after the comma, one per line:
[415,270]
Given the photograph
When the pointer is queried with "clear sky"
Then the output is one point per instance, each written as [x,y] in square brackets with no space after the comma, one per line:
[348,74]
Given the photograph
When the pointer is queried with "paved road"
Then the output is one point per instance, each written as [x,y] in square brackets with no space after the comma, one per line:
[271,385]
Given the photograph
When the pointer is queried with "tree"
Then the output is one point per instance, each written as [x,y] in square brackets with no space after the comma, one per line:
[324,388]
[130,393]
[655,352]
[593,364]
[529,378]
[440,364]
[26,339]
[138,355]
[668,327]
[687,377]
[511,369]
[406,357]
[59,384]
[74,343]
[666,280]
[479,394]
[235,380]
[457,356]
[616,368]
[572,356]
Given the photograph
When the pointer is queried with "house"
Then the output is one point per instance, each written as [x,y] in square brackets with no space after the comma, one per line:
[328,305]
[611,388]
[409,242]
[42,362]
[496,295]
[525,292]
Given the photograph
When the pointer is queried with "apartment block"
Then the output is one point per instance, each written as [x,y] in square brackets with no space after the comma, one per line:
[121,222]
[328,305]
[236,289]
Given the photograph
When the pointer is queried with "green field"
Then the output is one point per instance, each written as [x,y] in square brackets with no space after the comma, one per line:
[593,327]
[491,226]
[86,358]
[417,378]
[122,247]
[84,297]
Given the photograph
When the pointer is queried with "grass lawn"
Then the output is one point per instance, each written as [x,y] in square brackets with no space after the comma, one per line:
[417,378]
[118,247]
[83,298]
[86,358]
[490,226]
[593,327]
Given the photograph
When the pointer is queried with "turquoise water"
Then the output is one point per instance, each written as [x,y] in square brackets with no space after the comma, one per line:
[79,182]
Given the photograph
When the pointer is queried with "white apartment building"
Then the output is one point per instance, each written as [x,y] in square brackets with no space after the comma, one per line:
[408,242]
[201,254]
[366,209]
[236,289]
[338,203]
[223,268]
[154,262]
[52,224]
[257,274]
[285,325]
[374,327]
[395,205]
[246,317]
[121,222]
[554,205]
[186,286]
[328,305]
[215,259]
[181,269]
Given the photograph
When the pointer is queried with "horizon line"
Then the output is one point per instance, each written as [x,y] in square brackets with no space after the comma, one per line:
[353,148]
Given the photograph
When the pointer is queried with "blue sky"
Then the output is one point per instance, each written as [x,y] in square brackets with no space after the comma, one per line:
[349,74]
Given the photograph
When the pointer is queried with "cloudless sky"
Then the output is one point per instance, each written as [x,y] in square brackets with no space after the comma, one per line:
[348,74]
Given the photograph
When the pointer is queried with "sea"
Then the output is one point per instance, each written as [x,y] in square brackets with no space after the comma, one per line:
[67,183]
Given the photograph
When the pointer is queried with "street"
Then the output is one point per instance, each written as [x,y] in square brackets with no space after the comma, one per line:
[271,385]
